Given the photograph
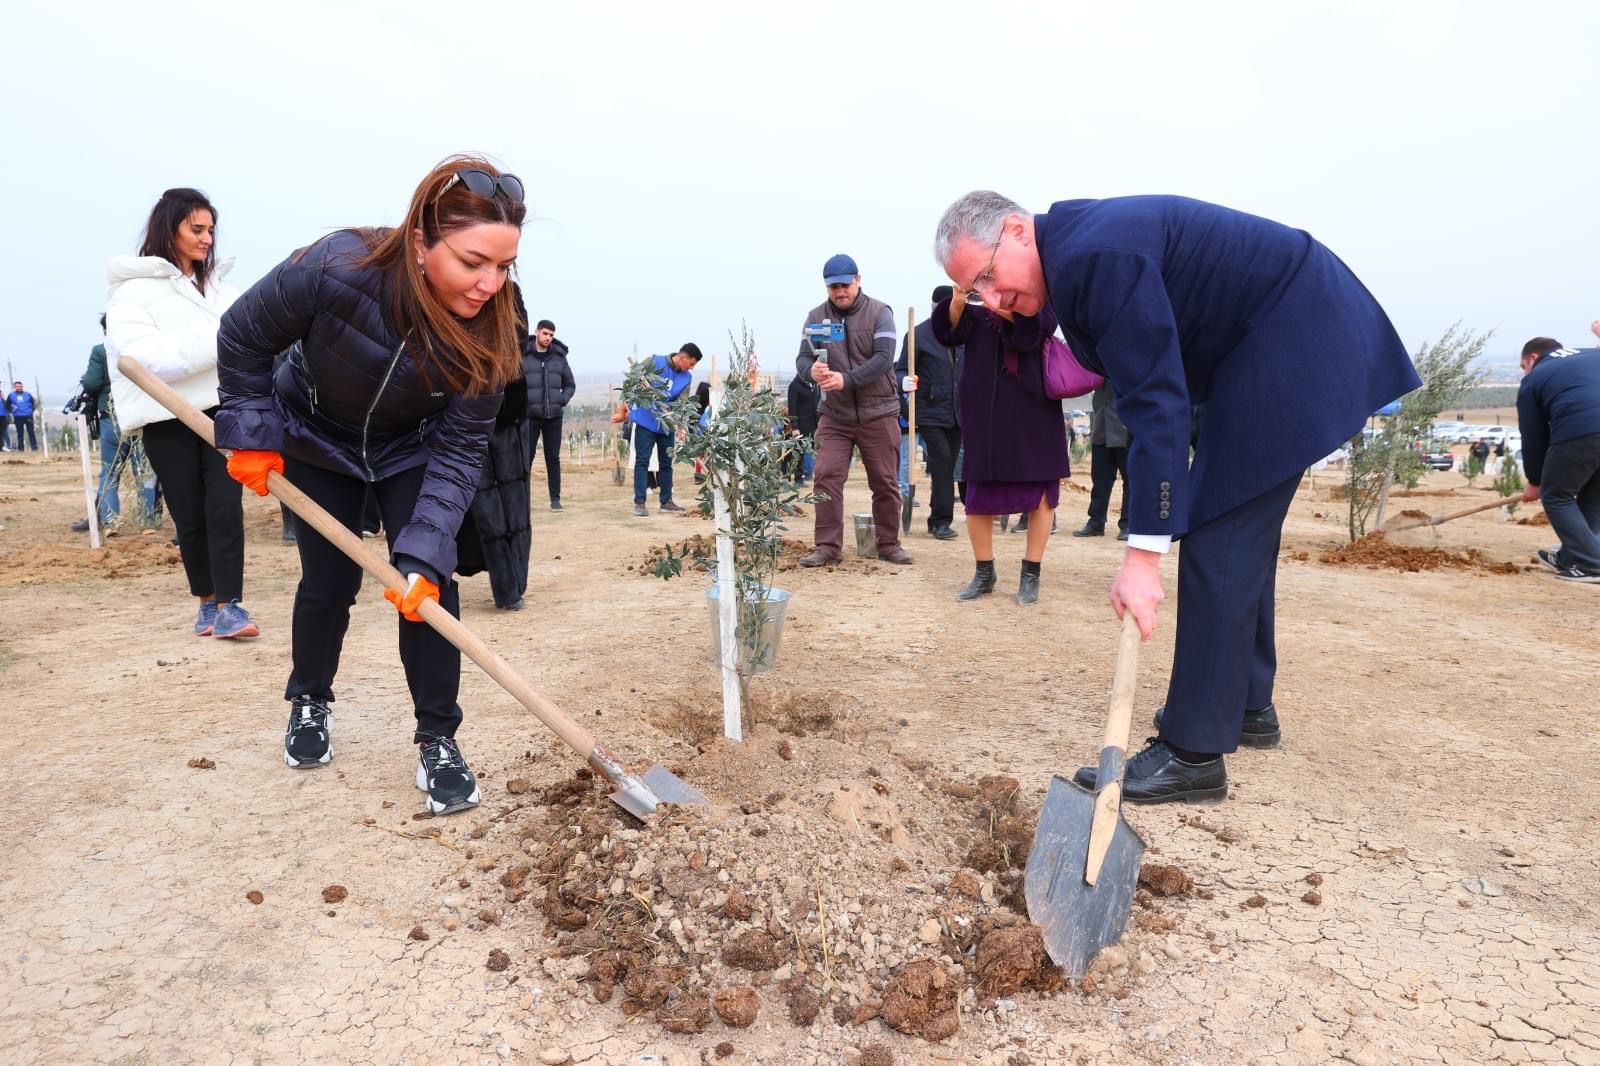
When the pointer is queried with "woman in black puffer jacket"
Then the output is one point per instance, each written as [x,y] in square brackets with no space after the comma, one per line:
[400,344]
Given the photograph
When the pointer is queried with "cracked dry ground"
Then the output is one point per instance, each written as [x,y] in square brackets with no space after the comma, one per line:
[1436,778]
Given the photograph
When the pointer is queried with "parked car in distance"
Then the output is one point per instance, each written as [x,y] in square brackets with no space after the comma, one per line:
[1438,460]
[1448,431]
[1493,434]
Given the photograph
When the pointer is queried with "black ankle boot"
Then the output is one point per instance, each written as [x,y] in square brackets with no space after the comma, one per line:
[1028,589]
[982,582]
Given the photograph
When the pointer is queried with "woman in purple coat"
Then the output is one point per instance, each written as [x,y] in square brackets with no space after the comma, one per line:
[1013,436]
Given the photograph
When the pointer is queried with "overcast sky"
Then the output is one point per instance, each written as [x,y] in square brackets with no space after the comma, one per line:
[691,165]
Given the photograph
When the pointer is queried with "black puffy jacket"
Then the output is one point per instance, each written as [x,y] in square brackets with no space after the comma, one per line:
[349,397]
[549,377]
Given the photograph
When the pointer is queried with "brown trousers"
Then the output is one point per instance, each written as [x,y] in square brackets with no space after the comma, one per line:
[879,441]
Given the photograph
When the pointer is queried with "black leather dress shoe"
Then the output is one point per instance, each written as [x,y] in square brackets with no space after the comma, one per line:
[1122,534]
[1157,775]
[1091,528]
[1260,729]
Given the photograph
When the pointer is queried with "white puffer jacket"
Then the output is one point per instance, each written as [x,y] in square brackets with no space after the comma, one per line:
[157,316]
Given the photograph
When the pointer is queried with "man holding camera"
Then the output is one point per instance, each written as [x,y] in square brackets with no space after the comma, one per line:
[848,349]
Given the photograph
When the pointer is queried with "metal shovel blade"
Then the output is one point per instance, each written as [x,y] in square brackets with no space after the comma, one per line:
[640,795]
[908,504]
[1077,918]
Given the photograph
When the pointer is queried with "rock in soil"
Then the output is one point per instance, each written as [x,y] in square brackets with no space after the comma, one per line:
[647,988]
[334,894]
[921,1001]
[253,896]
[754,950]
[1312,897]
[498,960]
[803,1006]
[688,1012]
[736,1005]
[202,763]
[876,1055]
[1163,880]
[418,933]
[1014,958]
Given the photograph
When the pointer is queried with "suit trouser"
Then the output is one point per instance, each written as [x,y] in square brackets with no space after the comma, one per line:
[24,423]
[205,506]
[879,441]
[1226,656]
[1571,494]
[942,443]
[329,581]
[549,429]
[1105,464]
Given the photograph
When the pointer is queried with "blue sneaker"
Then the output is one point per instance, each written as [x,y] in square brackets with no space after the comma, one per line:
[234,621]
[206,620]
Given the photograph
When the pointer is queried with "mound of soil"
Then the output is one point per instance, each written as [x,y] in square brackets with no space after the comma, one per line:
[124,556]
[1376,551]
[1537,518]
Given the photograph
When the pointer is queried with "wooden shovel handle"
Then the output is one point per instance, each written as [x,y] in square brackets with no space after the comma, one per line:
[1488,505]
[448,626]
[1108,795]
[911,398]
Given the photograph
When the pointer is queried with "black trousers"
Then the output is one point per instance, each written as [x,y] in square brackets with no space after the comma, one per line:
[1105,464]
[206,508]
[550,430]
[329,581]
[942,443]
[1226,657]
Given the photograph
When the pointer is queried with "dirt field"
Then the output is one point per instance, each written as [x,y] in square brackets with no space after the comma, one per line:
[1411,878]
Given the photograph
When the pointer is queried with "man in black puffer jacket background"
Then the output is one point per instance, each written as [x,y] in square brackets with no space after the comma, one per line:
[550,389]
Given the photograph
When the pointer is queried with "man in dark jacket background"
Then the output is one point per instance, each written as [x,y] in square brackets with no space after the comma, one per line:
[860,409]
[1108,459]
[938,422]
[1558,411]
[803,399]
[550,389]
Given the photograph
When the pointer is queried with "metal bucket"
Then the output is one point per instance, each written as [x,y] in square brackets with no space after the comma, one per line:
[777,609]
[866,536]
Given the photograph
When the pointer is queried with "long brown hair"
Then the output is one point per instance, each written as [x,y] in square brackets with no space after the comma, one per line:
[470,356]
[161,232]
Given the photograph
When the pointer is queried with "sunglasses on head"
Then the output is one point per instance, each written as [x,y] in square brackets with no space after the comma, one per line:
[484,184]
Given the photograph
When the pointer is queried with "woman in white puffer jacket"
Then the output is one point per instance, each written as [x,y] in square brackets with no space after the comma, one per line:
[163,310]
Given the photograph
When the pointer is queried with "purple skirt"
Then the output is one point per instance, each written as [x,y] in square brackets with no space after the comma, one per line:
[1011,497]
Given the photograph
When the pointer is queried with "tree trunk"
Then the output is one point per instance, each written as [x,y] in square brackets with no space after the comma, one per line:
[1383,496]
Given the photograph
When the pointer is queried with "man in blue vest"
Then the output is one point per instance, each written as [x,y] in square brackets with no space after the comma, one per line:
[1558,411]
[20,403]
[1239,337]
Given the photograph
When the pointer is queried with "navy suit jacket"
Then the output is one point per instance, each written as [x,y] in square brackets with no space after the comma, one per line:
[1244,336]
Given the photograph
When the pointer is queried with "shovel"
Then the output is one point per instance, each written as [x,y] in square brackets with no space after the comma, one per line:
[1084,864]
[910,502]
[1489,505]
[638,794]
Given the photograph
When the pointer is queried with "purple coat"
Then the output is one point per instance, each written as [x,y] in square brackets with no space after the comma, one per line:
[1010,430]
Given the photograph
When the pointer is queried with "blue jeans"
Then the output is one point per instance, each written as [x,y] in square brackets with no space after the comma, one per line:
[643,441]
[1570,490]
[110,503]
[905,462]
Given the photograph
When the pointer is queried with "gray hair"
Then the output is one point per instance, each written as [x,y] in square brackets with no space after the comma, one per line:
[977,216]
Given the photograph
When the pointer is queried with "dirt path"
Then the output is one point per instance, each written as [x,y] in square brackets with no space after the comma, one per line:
[1410,878]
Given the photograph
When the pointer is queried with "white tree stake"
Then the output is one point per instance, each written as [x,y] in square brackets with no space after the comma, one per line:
[88,481]
[727,599]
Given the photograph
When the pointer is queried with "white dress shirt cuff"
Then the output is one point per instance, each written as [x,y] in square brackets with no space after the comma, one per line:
[1151,542]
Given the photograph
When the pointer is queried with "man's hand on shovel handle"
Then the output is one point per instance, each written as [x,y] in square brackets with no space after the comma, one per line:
[418,588]
[1137,588]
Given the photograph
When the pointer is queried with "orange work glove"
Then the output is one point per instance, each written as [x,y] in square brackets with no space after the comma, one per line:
[418,589]
[250,469]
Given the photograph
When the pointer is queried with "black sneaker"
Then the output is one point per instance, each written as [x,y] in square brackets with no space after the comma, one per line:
[555,505]
[1550,558]
[669,506]
[305,742]
[1157,775]
[1259,730]
[1574,572]
[443,774]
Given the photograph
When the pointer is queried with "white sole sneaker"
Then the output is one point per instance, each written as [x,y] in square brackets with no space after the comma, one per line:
[434,807]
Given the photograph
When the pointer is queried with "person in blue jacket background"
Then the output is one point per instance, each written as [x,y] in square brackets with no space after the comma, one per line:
[673,373]
[1558,411]
[1230,334]
[20,404]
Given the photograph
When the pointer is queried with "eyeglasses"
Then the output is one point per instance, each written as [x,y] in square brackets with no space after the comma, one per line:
[986,279]
[484,184]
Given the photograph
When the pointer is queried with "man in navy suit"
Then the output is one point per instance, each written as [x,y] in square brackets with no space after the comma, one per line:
[1235,336]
